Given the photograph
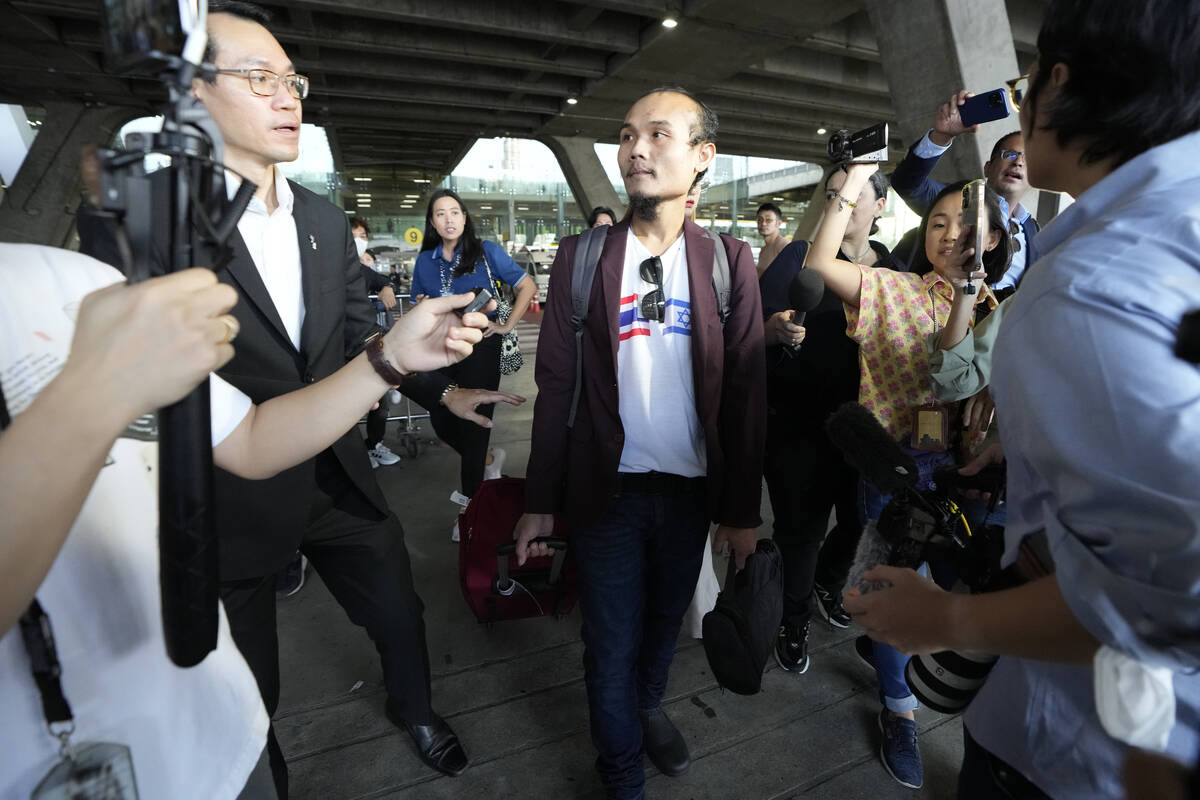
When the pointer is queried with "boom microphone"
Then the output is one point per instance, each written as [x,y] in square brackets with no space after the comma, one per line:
[871,450]
[804,294]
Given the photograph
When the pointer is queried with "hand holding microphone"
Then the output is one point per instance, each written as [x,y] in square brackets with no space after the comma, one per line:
[804,294]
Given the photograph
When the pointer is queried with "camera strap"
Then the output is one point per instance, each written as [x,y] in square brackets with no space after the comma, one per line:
[47,671]
[101,770]
[39,643]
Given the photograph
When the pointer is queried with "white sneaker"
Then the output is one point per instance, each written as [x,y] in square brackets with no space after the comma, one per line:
[374,461]
[380,454]
[492,471]
[454,537]
[394,396]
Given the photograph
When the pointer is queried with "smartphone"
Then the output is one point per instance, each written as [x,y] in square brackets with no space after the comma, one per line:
[482,298]
[985,107]
[975,217]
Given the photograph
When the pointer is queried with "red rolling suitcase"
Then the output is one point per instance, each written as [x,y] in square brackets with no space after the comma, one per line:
[493,586]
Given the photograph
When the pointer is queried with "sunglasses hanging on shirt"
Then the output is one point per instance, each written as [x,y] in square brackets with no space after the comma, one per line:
[653,306]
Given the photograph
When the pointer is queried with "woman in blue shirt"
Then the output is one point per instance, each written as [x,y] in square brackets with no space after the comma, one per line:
[454,260]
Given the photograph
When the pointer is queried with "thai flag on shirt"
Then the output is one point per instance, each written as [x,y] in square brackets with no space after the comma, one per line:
[678,318]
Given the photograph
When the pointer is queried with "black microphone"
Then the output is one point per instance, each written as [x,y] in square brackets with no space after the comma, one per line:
[871,450]
[804,294]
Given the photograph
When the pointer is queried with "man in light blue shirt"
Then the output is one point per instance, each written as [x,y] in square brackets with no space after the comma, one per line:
[1100,422]
[1005,171]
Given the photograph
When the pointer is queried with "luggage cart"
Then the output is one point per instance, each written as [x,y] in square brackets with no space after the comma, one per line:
[409,431]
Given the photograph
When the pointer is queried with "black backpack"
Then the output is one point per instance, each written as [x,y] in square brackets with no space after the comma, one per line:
[583,272]
[741,629]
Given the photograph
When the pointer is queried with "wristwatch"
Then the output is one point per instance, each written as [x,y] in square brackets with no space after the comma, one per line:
[449,388]
[378,358]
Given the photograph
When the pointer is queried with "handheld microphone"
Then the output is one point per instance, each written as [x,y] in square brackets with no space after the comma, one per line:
[871,450]
[804,294]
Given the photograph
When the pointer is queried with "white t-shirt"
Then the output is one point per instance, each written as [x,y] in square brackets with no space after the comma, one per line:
[654,370]
[193,733]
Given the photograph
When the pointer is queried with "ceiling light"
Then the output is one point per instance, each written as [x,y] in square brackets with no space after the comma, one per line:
[486,208]
[413,196]
[820,131]
[669,22]
[522,208]
[572,101]
[420,180]
[777,199]
[364,180]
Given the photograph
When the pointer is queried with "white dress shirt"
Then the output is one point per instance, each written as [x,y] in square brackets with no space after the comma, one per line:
[271,240]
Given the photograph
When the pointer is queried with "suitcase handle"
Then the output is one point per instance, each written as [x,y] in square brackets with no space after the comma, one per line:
[504,584]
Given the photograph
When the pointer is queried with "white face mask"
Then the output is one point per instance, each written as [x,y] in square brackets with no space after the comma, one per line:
[361,245]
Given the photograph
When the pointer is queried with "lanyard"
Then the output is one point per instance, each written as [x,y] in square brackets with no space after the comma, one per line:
[937,326]
[447,275]
[47,672]
[43,655]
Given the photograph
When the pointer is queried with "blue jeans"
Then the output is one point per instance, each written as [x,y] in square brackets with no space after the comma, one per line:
[638,568]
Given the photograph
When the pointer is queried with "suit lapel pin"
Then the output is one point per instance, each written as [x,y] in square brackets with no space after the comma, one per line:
[313,241]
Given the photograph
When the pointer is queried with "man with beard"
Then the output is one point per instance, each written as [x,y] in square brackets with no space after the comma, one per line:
[1005,172]
[668,433]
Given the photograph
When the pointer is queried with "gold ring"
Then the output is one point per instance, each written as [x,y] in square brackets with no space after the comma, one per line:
[232,327]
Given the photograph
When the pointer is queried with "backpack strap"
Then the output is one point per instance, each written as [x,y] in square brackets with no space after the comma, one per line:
[583,271]
[720,277]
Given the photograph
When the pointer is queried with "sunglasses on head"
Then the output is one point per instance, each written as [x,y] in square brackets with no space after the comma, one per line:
[653,306]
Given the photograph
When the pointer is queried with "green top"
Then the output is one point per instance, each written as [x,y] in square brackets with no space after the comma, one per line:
[961,371]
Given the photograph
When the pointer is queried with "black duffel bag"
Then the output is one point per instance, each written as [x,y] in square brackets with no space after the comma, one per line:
[741,629]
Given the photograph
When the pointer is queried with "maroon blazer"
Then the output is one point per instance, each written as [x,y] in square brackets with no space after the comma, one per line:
[574,471]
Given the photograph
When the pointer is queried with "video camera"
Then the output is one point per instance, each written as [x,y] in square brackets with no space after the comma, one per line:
[868,146]
[181,211]
[922,525]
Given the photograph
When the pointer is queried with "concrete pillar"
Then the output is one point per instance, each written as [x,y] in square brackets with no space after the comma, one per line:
[930,49]
[1050,205]
[39,206]
[15,138]
[807,226]
[584,173]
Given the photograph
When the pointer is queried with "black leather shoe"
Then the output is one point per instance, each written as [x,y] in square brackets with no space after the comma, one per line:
[664,744]
[437,745]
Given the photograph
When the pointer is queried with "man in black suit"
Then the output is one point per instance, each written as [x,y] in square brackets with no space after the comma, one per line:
[303,310]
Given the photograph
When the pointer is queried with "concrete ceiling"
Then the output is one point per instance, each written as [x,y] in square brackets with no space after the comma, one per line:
[405,87]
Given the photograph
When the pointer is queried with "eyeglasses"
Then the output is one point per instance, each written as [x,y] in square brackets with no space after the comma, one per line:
[265,83]
[654,304]
[1017,89]
[1011,155]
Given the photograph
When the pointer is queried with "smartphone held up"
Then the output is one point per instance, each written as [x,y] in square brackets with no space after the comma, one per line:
[975,219]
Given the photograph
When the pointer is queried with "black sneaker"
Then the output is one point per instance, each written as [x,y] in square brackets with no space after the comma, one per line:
[829,605]
[791,648]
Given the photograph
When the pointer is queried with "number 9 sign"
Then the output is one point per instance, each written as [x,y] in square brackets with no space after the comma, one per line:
[413,236]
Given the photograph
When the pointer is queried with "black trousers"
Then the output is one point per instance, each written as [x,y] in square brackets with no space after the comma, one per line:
[806,479]
[361,557]
[480,370]
[377,423]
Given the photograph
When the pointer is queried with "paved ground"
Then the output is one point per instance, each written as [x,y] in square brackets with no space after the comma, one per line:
[515,694]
